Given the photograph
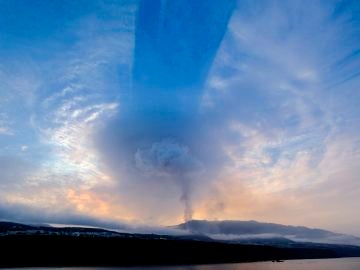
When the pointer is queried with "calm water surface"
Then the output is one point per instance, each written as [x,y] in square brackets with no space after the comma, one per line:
[328,264]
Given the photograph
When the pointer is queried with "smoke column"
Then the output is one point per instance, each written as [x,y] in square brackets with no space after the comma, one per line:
[186,199]
[170,160]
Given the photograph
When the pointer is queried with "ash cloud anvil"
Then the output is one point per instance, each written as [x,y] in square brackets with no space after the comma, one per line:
[165,98]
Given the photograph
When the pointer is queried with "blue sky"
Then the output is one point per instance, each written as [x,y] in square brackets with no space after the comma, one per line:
[150,112]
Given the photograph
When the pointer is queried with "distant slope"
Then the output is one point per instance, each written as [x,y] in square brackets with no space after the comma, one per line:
[232,229]
[12,228]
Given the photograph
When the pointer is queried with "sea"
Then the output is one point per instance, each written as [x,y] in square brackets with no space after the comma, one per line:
[314,264]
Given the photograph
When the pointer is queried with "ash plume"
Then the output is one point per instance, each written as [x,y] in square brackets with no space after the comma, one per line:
[169,159]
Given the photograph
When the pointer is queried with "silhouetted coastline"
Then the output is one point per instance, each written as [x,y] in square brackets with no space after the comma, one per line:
[59,250]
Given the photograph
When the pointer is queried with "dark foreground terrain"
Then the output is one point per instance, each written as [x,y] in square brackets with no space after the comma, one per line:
[45,250]
[24,245]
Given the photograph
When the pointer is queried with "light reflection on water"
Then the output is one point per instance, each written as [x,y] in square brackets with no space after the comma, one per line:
[321,264]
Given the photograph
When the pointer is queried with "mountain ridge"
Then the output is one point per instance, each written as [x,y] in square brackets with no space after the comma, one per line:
[233,229]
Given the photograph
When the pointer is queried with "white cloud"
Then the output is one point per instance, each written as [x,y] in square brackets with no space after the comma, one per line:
[290,140]
[66,105]
[5,125]
[5,131]
[24,148]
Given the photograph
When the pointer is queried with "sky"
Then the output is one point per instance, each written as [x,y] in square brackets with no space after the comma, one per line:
[155,112]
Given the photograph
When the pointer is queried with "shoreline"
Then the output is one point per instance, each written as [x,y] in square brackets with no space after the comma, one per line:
[70,251]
